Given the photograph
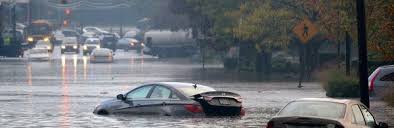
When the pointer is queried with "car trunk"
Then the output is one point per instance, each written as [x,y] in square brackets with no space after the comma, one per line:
[220,103]
[304,122]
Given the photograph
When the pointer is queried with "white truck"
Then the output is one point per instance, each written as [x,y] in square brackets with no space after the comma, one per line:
[166,43]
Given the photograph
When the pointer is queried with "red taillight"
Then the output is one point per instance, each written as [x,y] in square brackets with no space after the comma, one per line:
[208,98]
[193,108]
[270,124]
[372,82]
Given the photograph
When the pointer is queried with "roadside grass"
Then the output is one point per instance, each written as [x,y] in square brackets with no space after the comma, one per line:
[337,84]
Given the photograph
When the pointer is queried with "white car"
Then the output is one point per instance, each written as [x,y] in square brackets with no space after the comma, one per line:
[382,78]
[38,54]
[102,55]
[325,113]
[41,44]
[91,44]
[70,44]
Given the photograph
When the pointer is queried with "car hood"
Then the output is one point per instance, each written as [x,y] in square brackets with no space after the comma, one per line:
[110,103]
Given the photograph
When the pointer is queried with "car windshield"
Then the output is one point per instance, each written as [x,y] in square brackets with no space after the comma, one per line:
[92,41]
[38,51]
[315,109]
[70,34]
[101,52]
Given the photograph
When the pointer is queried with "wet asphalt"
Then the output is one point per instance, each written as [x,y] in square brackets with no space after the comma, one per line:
[63,92]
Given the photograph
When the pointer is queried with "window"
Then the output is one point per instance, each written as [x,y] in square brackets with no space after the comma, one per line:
[160,92]
[313,108]
[357,115]
[139,93]
[388,77]
[368,117]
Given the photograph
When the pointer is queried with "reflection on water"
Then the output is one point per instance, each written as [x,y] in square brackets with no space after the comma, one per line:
[65,104]
[85,62]
[29,75]
[75,62]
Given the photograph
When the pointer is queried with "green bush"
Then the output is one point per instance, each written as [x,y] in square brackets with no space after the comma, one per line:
[337,84]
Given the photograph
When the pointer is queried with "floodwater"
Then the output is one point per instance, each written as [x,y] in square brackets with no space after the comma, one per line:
[63,92]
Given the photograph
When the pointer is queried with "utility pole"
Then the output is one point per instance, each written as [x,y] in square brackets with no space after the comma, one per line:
[362,53]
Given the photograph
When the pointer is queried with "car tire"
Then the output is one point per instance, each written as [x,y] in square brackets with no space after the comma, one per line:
[102,112]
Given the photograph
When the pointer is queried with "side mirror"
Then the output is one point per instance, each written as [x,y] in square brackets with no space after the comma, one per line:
[120,97]
[383,125]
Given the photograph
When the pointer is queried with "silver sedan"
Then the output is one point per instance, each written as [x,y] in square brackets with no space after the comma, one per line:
[324,113]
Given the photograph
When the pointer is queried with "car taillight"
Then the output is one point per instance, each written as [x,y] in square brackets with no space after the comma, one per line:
[208,98]
[193,108]
[270,124]
[372,82]
[238,99]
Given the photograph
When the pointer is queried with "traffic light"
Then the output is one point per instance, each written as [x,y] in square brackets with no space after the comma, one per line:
[64,1]
[65,23]
[67,11]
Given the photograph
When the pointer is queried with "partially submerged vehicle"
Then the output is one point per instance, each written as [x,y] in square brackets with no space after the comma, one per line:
[173,99]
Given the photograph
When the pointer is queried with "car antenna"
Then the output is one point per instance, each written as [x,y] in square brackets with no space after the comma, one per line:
[195,86]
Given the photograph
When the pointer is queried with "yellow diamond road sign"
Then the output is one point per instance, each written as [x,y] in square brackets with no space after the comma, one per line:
[305,30]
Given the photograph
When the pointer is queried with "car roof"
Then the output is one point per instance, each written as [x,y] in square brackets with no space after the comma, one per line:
[387,66]
[93,39]
[179,84]
[343,101]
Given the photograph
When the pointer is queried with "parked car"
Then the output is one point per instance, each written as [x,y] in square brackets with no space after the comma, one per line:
[70,44]
[44,45]
[324,113]
[102,55]
[128,44]
[382,78]
[90,44]
[173,99]
[38,54]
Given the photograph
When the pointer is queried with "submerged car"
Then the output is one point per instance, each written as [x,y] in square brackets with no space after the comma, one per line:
[380,80]
[173,99]
[38,54]
[324,113]
[102,55]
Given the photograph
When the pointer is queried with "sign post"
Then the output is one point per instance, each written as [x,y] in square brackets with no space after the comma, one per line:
[305,31]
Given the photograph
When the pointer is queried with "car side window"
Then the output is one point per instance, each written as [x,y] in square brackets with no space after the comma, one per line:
[160,92]
[357,115]
[368,116]
[388,77]
[139,93]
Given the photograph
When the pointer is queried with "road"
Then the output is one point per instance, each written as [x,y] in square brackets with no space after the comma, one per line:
[64,91]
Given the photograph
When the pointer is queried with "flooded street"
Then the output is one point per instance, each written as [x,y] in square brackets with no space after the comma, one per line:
[64,91]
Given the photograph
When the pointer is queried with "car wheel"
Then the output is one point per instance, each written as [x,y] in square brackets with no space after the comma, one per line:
[62,51]
[103,112]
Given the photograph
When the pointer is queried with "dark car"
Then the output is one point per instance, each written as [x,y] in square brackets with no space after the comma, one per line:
[173,98]
[128,44]
[324,113]
[108,40]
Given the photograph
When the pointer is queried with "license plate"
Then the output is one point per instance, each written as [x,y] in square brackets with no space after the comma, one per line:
[224,101]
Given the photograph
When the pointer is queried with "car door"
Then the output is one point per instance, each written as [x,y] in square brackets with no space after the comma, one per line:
[163,100]
[136,101]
